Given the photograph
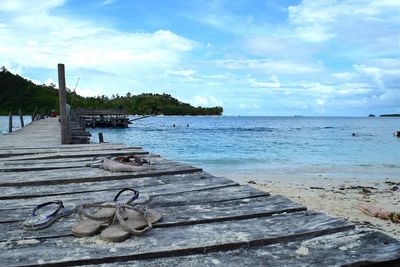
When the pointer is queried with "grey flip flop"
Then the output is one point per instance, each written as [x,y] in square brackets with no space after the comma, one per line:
[90,224]
[55,211]
[130,221]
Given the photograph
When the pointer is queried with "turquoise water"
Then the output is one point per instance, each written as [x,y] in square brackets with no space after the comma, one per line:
[233,144]
[269,145]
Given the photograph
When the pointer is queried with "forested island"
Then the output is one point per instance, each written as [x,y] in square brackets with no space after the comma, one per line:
[17,92]
[390,115]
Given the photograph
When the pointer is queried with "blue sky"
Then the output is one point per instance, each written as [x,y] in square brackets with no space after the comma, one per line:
[253,57]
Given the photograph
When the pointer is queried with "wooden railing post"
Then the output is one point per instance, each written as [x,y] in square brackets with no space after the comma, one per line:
[65,138]
[10,122]
[34,115]
[21,118]
[101,139]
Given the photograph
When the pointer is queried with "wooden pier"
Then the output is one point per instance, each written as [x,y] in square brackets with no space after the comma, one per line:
[207,220]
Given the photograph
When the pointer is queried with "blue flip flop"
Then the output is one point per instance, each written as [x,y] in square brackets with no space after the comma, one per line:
[40,221]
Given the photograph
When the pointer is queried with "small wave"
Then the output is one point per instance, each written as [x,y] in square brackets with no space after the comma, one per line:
[153,130]
[365,165]
[239,129]
[255,129]
[391,166]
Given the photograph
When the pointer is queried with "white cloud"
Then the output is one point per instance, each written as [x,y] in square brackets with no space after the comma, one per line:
[249,106]
[32,6]
[205,101]
[43,40]
[270,66]
[108,2]
[319,21]
[188,74]
[217,16]
[283,47]
[272,83]
[49,81]
[373,72]
[345,76]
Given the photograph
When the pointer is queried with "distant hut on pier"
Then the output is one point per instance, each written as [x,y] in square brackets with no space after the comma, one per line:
[116,118]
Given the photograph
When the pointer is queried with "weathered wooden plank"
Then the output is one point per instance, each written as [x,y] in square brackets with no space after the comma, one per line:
[44,167]
[77,154]
[156,164]
[173,216]
[173,197]
[44,161]
[9,152]
[41,133]
[41,149]
[40,162]
[196,179]
[163,189]
[352,248]
[172,241]
[86,174]
[49,165]
[207,196]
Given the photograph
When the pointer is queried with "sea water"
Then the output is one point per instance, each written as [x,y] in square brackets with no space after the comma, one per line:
[16,123]
[229,145]
[270,145]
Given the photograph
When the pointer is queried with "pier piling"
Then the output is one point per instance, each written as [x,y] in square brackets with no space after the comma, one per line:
[10,122]
[101,139]
[65,138]
[21,118]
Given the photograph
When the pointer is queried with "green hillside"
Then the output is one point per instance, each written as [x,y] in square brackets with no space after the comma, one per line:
[17,92]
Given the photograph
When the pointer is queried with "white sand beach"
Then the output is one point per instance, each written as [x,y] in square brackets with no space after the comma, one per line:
[335,195]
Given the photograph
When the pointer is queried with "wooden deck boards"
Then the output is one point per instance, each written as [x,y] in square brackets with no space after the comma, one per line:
[206,221]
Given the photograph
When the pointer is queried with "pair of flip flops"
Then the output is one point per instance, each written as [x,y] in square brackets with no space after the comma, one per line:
[120,219]
[45,214]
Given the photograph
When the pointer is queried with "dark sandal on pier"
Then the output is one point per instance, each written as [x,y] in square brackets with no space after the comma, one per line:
[55,211]
[91,223]
[130,221]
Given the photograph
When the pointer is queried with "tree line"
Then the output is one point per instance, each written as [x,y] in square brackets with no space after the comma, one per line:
[17,92]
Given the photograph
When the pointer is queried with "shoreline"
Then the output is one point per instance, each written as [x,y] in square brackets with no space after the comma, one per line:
[338,197]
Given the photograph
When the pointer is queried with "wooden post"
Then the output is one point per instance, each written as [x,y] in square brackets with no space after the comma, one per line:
[34,115]
[10,122]
[21,118]
[65,138]
[101,139]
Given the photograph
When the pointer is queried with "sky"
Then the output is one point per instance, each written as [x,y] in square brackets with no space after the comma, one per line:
[252,57]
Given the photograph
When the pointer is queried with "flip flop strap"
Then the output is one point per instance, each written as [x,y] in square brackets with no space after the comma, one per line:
[82,211]
[134,197]
[58,202]
[126,226]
